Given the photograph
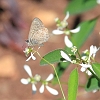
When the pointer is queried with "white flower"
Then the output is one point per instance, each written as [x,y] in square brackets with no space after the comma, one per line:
[32,80]
[93,51]
[98,1]
[60,29]
[45,84]
[74,49]
[27,51]
[68,42]
[31,56]
[65,56]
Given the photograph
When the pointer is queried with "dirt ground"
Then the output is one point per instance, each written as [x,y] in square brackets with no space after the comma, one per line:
[12,60]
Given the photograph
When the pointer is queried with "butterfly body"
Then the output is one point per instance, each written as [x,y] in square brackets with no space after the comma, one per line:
[38,33]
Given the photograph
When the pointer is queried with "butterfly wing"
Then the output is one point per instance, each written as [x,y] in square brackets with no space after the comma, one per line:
[38,33]
[35,26]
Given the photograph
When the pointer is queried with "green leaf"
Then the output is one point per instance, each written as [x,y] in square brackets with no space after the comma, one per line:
[96,68]
[76,7]
[51,57]
[73,85]
[92,84]
[86,29]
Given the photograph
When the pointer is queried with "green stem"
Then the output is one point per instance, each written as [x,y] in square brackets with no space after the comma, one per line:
[55,73]
[93,74]
[79,55]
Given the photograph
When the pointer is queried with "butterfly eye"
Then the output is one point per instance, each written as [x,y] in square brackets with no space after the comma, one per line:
[27,41]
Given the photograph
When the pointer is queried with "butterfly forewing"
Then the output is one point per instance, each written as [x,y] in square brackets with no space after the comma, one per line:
[38,33]
[35,26]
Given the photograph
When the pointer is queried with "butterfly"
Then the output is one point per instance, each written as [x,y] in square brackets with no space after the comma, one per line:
[38,34]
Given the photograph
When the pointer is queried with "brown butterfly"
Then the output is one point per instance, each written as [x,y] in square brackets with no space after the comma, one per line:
[38,33]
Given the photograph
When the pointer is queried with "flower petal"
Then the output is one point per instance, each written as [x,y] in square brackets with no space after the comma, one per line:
[91,50]
[24,81]
[67,16]
[28,70]
[50,77]
[98,1]
[65,56]
[41,88]
[57,32]
[94,91]
[88,72]
[51,90]
[68,43]
[83,69]
[28,58]
[33,57]
[76,30]
[95,51]
[34,89]
[85,65]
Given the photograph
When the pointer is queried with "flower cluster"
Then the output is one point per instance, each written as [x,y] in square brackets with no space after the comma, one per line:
[37,78]
[87,59]
[29,50]
[83,60]
[62,28]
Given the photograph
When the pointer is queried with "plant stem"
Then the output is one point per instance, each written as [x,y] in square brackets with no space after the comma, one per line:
[79,55]
[55,73]
[93,74]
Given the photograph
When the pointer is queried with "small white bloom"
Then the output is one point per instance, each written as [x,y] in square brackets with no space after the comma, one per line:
[76,30]
[65,56]
[37,77]
[45,84]
[93,51]
[84,67]
[57,32]
[31,79]
[68,43]
[74,49]
[26,51]
[31,56]
[84,58]
[56,19]
[98,1]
